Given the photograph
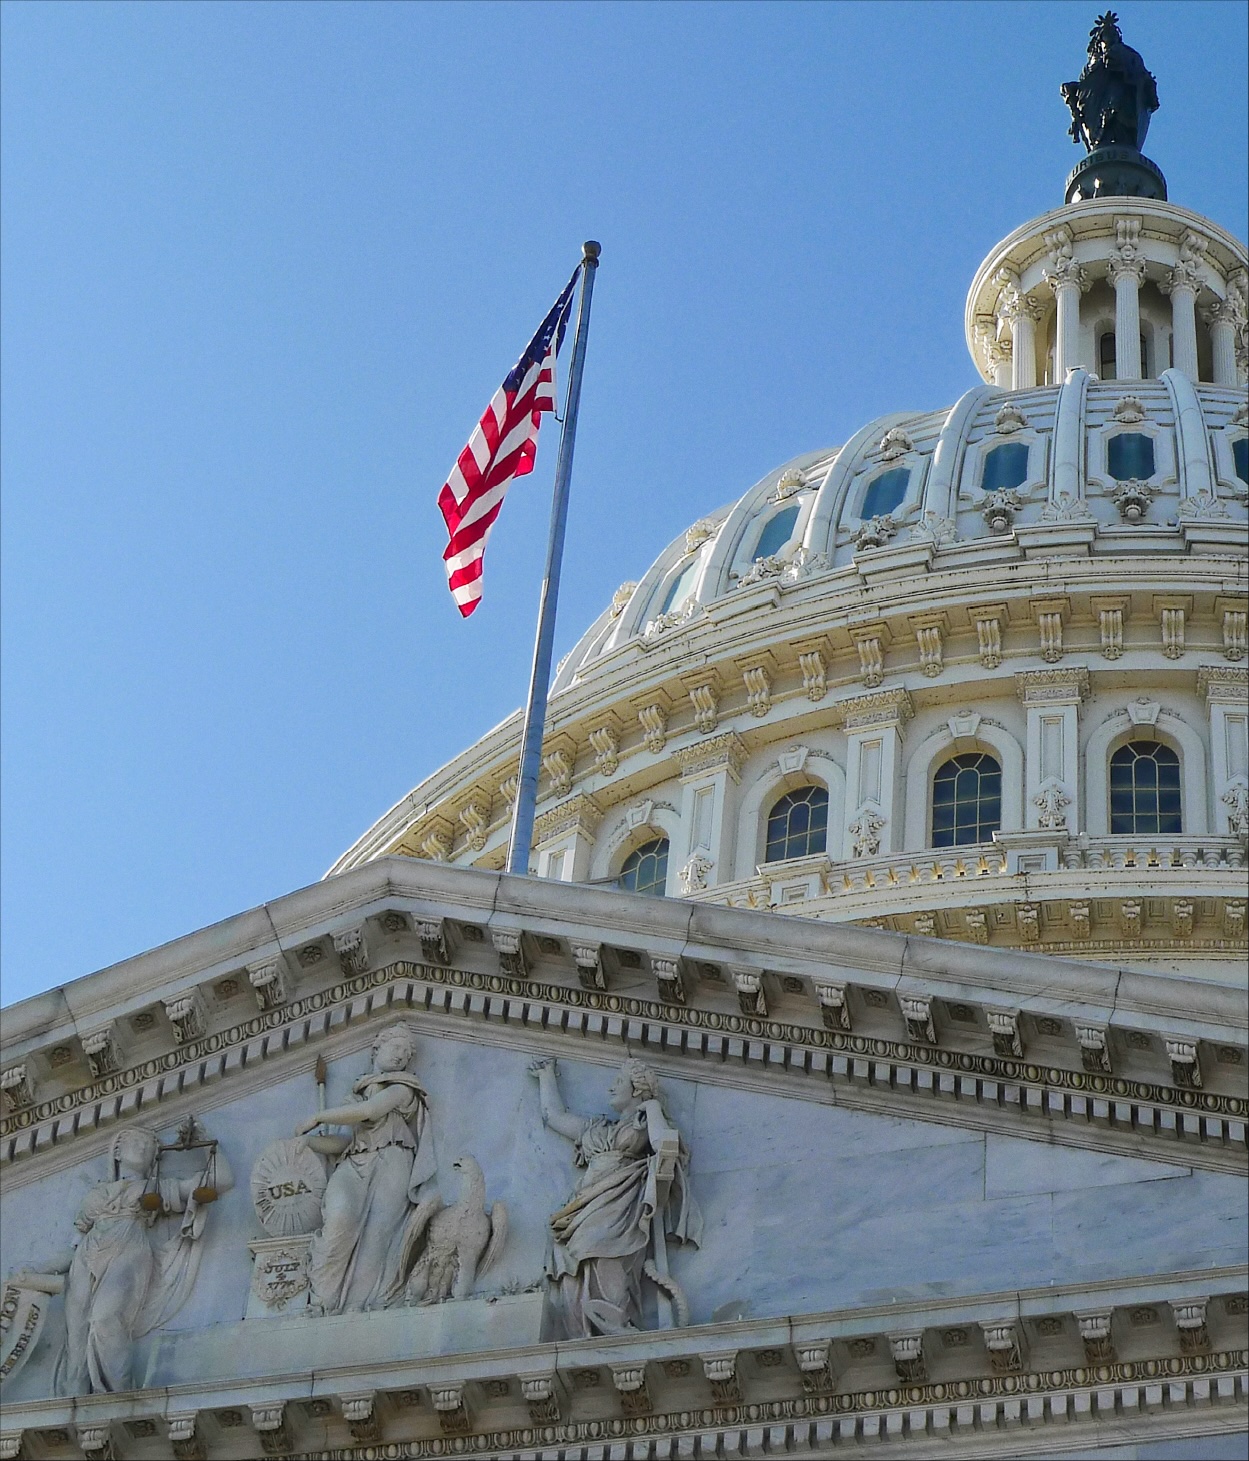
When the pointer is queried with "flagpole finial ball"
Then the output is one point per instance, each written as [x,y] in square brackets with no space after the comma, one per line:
[590,251]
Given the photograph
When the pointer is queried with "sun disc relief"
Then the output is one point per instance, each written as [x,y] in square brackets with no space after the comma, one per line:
[288,1182]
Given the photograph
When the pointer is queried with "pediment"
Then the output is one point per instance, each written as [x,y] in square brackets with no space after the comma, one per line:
[871,1172]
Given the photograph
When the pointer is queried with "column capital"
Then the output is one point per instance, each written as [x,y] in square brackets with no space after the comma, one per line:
[888,708]
[580,814]
[1225,311]
[1052,687]
[1122,268]
[725,752]
[1180,278]
[1068,275]
[1223,684]
[1013,304]
[1065,270]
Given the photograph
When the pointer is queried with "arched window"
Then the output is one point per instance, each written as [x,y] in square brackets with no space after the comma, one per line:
[798,824]
[885,492]
[1130,455]
[680,588]
[645,869]
[1005,467]
[1240,458]
[966,800]
[1145,790]
[776,533]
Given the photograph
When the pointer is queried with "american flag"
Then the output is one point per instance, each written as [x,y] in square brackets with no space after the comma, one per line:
[502,447]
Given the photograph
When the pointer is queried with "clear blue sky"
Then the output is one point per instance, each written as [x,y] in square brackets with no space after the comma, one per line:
[263,266]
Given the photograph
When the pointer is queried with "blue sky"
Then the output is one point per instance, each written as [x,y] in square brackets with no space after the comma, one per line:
[262,268]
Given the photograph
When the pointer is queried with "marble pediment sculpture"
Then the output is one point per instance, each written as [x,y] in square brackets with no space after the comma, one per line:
[734,1166]
[123,1277]
[372,1207]
[632,1196]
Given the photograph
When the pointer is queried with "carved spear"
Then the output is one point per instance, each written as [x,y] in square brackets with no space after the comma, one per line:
[319,1070]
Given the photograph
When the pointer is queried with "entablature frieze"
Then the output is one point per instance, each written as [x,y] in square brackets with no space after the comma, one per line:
[1059,1362]
[658,704]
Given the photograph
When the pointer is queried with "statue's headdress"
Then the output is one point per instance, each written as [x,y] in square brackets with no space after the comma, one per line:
[146,1134]
[1106,29]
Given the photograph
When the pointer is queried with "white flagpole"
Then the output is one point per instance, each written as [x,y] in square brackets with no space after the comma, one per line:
[539,683]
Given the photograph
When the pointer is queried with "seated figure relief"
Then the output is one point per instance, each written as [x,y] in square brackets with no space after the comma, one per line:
[124,1277]
[633,1195]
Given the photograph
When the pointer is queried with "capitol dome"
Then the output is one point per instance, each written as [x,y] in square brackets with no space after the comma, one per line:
[975,673]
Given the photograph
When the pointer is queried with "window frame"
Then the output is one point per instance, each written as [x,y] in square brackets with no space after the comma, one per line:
[889,470]
[1141,747]
[791,794]
[981,823]
[639,851]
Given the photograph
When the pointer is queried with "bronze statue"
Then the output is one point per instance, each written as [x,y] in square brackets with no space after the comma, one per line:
[1115,97]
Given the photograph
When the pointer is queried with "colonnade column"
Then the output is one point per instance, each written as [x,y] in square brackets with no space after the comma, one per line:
[1127,273]
[999,353]
[1224,318]
[1066,277]
[1182,283]
[1183,292]
[1021,315]
[1052,756]
[874,725]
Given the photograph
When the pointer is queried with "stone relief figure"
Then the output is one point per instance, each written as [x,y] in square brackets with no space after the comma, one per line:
[461,1241]
[120,1284]
[633,1194]
[371,1203]
[1113,100]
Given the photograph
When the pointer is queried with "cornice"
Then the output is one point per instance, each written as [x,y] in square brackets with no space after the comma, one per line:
[1031,1370]
[858,1049]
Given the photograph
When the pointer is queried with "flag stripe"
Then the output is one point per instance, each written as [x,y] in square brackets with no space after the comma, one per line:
[502,447]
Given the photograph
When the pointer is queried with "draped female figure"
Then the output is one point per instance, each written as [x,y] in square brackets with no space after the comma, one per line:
[633,1194]
[118,1283]
[357,1259]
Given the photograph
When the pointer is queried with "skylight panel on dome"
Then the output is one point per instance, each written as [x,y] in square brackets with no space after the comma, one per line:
[777,531]
[681,587]
[1005,467]
[885,492]
[1130,456]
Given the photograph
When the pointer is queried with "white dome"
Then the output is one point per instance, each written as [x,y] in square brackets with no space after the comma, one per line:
[915,480]
[1034,578]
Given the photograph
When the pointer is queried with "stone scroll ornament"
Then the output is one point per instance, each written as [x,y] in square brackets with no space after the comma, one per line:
[632,1197]
[132,1269]
[384,1235]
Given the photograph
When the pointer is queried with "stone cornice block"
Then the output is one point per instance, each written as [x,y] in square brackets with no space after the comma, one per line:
[881,711]
[1223,684]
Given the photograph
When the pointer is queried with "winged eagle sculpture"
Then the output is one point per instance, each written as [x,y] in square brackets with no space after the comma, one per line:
[460,1242]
